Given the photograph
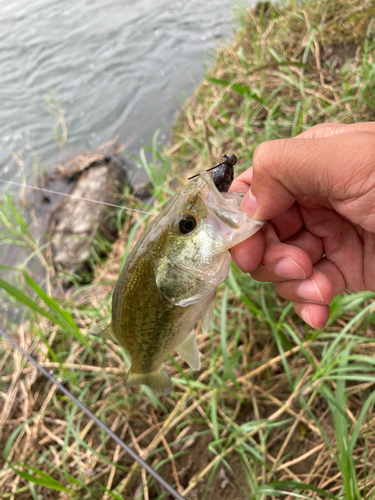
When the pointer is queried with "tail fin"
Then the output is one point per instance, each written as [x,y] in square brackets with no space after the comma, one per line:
[159,381]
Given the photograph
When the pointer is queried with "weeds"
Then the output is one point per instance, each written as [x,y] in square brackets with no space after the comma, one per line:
[58,110]
[277,410]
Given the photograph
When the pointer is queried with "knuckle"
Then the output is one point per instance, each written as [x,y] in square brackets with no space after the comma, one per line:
[262,157]
[258,274]
[269,155]
[284,291]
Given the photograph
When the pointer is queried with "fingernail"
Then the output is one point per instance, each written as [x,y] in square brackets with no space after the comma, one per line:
[249,204]
[309,290]
[305,314]
[289,269]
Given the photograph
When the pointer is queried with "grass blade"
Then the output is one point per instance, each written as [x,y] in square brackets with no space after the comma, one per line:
[44,479]
[237,87]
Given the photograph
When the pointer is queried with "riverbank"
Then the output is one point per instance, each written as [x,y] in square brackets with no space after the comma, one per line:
[277,409]
[285,71]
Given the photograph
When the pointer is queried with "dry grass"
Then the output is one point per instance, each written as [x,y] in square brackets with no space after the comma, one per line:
[277,410]
[287,69]
[229,412]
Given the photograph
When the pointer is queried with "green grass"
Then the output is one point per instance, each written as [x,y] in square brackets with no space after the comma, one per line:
[285,71]
[278,410]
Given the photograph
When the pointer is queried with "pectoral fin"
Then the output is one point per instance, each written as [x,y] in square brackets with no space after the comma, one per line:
[188,350]
[180,286]
[99,332]
[159,381]
[208,313]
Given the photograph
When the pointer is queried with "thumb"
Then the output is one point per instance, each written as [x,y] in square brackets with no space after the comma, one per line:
[333,167]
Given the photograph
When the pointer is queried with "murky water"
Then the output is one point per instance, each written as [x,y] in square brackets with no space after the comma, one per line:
[116,66]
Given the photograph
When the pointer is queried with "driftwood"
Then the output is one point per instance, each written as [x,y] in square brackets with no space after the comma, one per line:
[75,222]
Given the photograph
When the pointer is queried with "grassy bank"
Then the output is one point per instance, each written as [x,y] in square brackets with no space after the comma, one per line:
[285,71]
[277,410]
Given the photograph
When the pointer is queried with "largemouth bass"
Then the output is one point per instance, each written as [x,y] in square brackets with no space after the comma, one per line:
[169,281]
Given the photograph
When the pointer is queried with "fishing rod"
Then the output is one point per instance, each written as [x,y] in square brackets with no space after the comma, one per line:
[224,180]
[98,422]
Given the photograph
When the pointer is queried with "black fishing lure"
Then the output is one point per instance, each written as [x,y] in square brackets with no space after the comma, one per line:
[223,172]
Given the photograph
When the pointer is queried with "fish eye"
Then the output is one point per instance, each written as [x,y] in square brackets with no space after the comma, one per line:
[187,224]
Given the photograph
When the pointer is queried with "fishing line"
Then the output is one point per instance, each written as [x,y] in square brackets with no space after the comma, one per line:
[98,422]
[229,160]
[19,184]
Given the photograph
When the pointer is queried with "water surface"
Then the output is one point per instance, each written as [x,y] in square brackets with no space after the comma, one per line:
[113,65]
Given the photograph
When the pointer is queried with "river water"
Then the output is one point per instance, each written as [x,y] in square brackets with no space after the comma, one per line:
[116,67]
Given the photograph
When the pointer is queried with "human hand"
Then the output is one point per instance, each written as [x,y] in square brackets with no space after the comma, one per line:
[317,192]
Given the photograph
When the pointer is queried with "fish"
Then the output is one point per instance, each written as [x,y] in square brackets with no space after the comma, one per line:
[168,283]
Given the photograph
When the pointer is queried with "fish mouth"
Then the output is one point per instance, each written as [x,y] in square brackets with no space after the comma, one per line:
[217,199]
[224,215]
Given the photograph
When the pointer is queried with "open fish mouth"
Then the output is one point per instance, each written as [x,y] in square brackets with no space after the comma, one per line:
[224,215]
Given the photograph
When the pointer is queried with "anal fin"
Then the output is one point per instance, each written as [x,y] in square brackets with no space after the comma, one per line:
[188,350]
[159,381]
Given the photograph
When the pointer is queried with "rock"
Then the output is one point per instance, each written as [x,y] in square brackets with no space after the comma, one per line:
[74,222]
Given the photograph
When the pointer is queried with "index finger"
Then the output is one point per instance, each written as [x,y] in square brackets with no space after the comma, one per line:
[329,129]
[242,183]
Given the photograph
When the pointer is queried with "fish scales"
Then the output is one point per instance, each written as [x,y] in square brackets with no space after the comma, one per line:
[169,280]
[151,336]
